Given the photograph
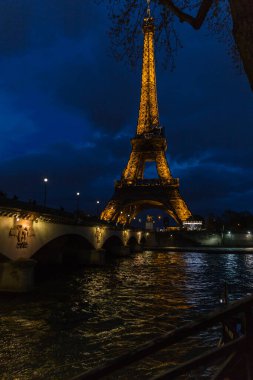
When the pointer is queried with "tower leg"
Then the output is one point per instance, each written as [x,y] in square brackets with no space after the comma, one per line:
[132,169]
[179,206]
[162,166]
[111,211]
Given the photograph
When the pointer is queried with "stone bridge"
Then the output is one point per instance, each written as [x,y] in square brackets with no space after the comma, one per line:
[28,237]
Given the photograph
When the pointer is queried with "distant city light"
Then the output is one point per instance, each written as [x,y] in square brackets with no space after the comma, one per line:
[192,225]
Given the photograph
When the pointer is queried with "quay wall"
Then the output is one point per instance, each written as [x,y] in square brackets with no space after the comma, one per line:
[204,239]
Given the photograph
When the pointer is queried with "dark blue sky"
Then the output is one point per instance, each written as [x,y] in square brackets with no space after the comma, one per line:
[68,110]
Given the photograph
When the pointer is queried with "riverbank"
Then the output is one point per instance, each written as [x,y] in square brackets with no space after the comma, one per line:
[201,240]
[199,249]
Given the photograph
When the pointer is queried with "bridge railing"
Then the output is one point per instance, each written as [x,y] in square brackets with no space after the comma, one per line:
[34,211]
[241,346]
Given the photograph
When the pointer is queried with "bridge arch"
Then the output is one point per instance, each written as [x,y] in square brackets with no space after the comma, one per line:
[112,242]
[133,244]
[132,209]
[132,241]
[143,240]
[63,249]
[151,203]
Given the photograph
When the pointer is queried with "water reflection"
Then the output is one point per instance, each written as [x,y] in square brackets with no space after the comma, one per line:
[78,320]
[248,261]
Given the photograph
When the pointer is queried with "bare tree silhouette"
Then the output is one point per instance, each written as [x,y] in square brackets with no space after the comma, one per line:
[231,19]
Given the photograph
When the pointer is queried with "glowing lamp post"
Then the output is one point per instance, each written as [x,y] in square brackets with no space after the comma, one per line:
[77,201]
[45,180]
[98,202]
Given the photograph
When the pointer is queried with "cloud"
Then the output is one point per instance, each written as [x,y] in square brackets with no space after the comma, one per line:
[68,111]
[89,168]
[33,24]
[212,187]
[102,91]
[14,26]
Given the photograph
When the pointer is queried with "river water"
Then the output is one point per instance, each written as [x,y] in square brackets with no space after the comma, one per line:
[76,320]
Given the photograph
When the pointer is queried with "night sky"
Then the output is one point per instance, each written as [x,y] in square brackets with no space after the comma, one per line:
[68,110]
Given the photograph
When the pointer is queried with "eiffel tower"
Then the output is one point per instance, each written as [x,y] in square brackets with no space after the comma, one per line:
[132,192]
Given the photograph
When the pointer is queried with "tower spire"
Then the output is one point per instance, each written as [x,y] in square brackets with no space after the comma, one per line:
[148,110]
[148,8]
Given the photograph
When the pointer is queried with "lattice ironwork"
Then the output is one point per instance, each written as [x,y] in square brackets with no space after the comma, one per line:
[133,193]
[148,111]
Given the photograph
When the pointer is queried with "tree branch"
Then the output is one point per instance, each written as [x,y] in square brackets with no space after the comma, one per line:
[195,22]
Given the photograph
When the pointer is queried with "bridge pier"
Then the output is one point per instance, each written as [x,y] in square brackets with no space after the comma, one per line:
[91,257]
[150,239]
[135,248]
[17,276]
[119,251]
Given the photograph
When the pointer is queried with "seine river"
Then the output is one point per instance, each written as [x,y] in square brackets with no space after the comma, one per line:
[76,320]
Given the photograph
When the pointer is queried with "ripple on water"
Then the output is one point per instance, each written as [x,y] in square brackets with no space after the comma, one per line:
[76,321]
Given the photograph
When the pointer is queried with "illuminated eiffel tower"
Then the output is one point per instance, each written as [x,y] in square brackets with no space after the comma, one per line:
[133,193]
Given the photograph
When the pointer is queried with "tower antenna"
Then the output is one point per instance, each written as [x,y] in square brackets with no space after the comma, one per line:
[148,9]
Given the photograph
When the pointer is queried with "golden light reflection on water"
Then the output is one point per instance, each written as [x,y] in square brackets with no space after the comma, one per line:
[77,320]
[249,261]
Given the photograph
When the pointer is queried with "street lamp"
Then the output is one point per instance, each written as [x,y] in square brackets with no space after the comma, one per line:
[45,180]
[98,208]
[77,201]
